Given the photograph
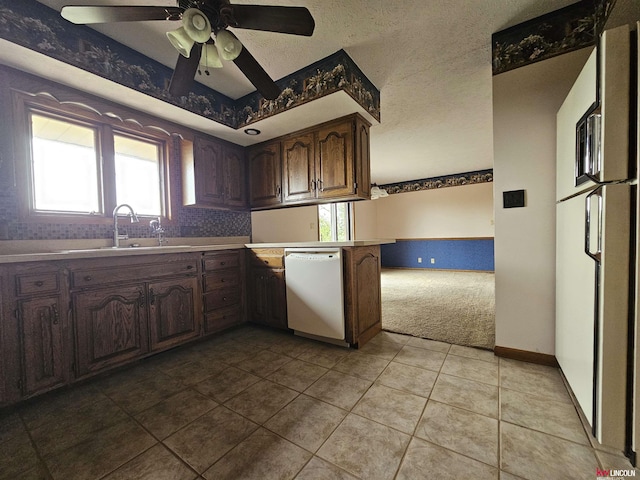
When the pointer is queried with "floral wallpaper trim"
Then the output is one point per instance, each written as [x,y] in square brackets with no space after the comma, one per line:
[469,178]
[561,31]
[42,29]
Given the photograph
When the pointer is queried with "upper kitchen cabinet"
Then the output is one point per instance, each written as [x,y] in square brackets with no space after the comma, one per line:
[265,174]
[329,162]
[213,174]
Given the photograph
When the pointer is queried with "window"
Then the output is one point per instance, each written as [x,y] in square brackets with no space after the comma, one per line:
[64,166]
[334,221]
[79,167]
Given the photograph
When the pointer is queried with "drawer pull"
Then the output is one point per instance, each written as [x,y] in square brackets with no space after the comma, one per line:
[88,278]
[189,267]
[222,280]
[266,262]
[56,315]
[224,299]
[39,283]
[222,264]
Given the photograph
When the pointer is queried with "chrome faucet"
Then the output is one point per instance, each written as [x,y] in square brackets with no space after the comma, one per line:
[134,219]
[157,229]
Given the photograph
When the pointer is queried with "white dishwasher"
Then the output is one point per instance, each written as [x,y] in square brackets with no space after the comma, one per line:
[315,300]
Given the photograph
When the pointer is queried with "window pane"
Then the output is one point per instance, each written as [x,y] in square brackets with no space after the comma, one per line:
[324,222]
[65,167]
[342,222]
[138,174]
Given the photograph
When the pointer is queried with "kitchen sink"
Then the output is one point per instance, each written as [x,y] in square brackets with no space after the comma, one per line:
[123,249]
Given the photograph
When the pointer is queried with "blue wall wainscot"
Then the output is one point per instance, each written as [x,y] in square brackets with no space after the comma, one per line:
[449,254]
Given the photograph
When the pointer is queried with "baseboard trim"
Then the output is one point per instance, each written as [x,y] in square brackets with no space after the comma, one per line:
[526,356]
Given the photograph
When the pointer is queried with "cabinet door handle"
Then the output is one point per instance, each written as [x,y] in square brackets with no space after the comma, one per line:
[224,299]
[266,262]
[39,283]
[278,190]
[152,297]
[56,315]
[320,185]
[141,300]
[88,278]
[313,185]
[222,264]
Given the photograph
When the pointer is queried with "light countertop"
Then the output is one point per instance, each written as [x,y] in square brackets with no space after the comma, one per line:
[18,252]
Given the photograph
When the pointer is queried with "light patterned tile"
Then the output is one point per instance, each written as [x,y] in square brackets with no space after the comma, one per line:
[226,384]
[394,408]
[426,461]
[261,401]
[206,440]
[462,431]
[318,469]
[409,379]
[339,389]
[264,363]
[307,422]
[472,352]
[297,375]
[434,345]
[365,448]
[542,414]
[271,457]
[175,412]
[386,350]
[157,463]
[460,392]
[533,379]
[421,357]
[363,366]
[17,456]
[471,369]
[325,355]
[532,454]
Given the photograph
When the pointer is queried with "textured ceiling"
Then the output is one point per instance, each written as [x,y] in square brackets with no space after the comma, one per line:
[431,60]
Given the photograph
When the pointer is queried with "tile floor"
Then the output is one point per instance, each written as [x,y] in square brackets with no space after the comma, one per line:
[259,404]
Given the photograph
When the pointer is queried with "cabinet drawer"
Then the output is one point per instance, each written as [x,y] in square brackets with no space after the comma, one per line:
[37,283]
[220,261]
[221,278]
[223,297]
[132,273]
[268,260]
[221,319]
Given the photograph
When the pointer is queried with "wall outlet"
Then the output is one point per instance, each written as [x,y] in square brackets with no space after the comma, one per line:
[419,259]
[433,260]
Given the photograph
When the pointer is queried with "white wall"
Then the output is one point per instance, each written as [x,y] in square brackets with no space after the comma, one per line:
[365,220]
[294,224]
[452,212]
[525,102]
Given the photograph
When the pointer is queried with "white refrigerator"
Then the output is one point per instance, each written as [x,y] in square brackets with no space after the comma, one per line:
[595,237]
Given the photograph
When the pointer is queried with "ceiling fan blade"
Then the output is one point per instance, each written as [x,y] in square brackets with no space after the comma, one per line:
[185,70]
[293,20]
[86,14]
[256,75]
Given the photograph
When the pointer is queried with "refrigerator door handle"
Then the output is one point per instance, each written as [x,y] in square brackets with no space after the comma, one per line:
[593,154]
[597,254]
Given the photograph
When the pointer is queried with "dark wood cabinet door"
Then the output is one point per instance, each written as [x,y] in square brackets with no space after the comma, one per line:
[277,299]
[235,177]
[298,168]
[363,160]
[174,312]
[110,327]
[43,364]
[209,176]
[335,162]
[265,175]
[259,295]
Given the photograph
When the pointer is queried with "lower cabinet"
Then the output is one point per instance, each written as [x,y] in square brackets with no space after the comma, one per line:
[43,359]
[173,307]
[267,288]
[223,290]
[363,312]
[111,327]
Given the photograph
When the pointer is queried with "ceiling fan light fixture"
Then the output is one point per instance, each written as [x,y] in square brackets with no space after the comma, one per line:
[196,24]
[181,41]
[229,46]
[210,57]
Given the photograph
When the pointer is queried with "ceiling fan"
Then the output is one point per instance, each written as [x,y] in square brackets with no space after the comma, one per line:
[203,37]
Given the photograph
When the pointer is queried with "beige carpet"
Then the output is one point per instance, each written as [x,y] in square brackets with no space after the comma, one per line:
[453,307]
